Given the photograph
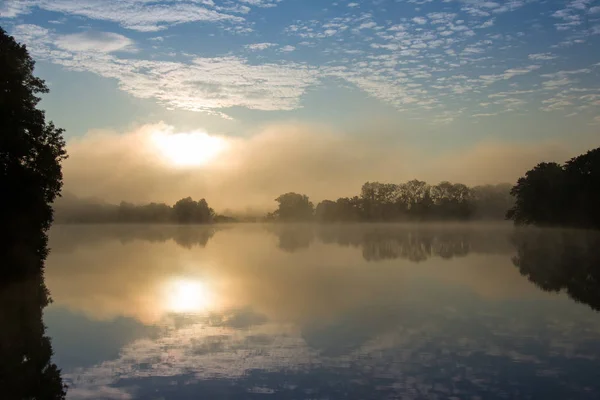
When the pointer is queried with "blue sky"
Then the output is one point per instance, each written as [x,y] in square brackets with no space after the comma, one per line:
[443,74]
[429,62]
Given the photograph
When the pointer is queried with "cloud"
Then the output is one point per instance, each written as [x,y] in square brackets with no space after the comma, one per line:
[140,15]
[204,84]
[542,56]
[104,42]
[509,74]
[252,171]
[259,46]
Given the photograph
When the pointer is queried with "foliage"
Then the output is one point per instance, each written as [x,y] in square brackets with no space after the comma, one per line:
[188,211]
[294,207]
[185,211]
[551,194]
[411,201]
[31,152]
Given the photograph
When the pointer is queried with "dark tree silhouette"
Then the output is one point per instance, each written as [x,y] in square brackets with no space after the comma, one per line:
[539,196]
[560,195]
[294,207]
[31,152]
[189,211]
[561,260]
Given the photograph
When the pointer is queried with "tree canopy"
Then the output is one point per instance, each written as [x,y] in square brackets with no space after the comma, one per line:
[552,194]
[411,201]
[31,152]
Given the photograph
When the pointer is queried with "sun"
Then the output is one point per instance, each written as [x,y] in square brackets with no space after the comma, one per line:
[186,296]
[188,149]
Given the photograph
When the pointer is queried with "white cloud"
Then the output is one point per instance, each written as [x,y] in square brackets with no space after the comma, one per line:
[141,15]
[14,8]
[259,46]
[105,42]
[542,56]
[287,49]
[205,84]
[261,3]
[420,20]
[508,74]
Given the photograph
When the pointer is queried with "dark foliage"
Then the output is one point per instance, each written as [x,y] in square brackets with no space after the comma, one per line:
[31,152]
[551,194]
[185,211]
[411,201]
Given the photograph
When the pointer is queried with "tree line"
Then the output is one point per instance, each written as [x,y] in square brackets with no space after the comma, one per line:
[411,201]
[185,211]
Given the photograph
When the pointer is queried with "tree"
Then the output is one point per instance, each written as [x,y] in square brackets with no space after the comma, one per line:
[540,196]
[379,201]
[583,185]
[188,211]
[31,153]
[415,196]
[452,201]
[294,207]
[564,195]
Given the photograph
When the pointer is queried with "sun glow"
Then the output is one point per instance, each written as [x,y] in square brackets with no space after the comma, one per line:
[186,296]
[188,149]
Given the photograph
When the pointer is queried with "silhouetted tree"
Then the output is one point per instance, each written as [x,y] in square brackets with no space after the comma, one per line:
[539,196]
[557,195]
[31,152]
[189,211]
[583,188]
[294,207]
[379,201]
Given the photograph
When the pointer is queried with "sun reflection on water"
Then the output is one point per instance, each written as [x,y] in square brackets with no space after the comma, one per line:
[188,296]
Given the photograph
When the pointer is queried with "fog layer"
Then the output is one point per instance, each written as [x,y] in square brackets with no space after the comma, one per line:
[251,171]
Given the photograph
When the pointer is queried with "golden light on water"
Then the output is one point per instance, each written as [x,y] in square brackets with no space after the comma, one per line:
[188,149]
[188,296]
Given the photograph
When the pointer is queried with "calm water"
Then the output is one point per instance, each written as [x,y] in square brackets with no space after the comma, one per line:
[304,312]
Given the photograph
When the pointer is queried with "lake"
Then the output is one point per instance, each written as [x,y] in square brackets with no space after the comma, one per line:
[455,311]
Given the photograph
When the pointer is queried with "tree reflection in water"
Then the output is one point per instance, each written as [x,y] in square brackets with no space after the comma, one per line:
[561,260]
[26,368]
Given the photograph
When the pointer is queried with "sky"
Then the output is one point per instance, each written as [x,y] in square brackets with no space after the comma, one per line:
[329,91]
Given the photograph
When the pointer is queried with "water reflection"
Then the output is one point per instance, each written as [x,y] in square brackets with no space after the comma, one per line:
[26,369]
[187,296]
[561,260]
[319,312]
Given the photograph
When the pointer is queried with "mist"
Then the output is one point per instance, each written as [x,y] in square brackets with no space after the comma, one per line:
[252,171]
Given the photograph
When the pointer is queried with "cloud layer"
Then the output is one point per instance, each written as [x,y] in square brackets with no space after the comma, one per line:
[446,59]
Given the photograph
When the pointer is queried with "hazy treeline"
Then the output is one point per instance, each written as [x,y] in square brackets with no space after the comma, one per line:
[185,211]
[411,201]
[552,194]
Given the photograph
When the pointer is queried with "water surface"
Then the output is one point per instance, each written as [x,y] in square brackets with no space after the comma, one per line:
[325,312]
